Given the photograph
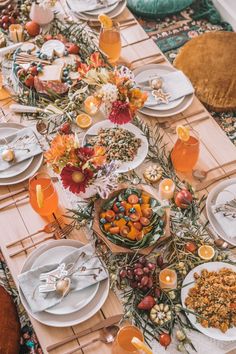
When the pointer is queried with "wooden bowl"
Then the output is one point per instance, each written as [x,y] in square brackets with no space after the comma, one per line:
[119,249]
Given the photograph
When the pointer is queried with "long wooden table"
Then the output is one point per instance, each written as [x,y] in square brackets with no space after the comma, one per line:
[21,220]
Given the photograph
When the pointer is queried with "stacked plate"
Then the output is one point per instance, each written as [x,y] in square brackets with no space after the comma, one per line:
[164,109]
[23,170]
[77,306]
[90,10]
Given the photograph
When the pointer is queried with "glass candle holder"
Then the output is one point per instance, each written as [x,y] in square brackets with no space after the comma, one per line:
[168,279]
[166,189]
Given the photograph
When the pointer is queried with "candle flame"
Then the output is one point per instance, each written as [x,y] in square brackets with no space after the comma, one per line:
[168,278]
[166,188]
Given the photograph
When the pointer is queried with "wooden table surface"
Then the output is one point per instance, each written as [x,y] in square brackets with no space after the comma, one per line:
[21,220]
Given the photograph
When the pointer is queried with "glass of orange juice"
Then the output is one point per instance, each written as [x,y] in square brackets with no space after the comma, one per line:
[185,153]
[110,42]
[43,195]
[123,345]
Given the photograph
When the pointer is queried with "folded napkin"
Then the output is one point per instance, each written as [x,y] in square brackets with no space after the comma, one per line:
[175,83]
[227,223]
[89,5]
[25,145]
[89,271]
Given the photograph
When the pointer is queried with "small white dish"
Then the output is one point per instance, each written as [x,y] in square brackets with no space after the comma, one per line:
[74,301]
[211,200]
[142,151]
[214,333]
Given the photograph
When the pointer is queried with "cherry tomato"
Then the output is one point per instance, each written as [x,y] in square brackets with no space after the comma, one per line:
[110,215]
[29,80]
[123,203]
[147,213]
[114,230]
[115,208]
[32,28]
[72,48]
[138,226]
[144,221]
[33,70]
[183,199]
[191,247]
[124,230]
[133,199]
[134,217]
[165,339]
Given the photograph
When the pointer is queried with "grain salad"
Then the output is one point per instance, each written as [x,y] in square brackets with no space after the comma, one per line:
[121,144]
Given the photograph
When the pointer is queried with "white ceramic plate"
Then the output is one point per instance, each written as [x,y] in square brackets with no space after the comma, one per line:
[161,70]
[142,151]
[7,129]
[210,332]
[30,171]
[114,13]
[211,200]
[168,113]
[74,318]
[74,301]
[103,10]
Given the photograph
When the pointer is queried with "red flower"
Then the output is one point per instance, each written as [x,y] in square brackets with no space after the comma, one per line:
[75,178]
[83,69]
[85,153]
[120,113]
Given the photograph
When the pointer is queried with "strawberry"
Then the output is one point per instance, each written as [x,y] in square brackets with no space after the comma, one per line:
[147,303]
[33,70]
[29,80]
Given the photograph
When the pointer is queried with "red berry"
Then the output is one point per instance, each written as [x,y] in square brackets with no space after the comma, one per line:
[151,266]
[159,261]
[5,19]
[138,271]
[12,20]
[144,280]
[123,273]
[150,283]
[142,260]
[146,270]
[138,265]
[165,339]
[29,80]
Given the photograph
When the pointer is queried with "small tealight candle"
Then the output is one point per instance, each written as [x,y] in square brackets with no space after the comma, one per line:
[168,279]
[91,105]
[166,189]
[16,33]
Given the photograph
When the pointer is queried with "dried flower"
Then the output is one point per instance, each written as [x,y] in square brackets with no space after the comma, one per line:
[120,113]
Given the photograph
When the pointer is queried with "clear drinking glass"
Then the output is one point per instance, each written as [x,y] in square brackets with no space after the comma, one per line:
[122,344]
[110,42]
[50,197]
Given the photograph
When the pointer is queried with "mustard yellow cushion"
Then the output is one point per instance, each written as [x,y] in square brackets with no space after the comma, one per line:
[210,63]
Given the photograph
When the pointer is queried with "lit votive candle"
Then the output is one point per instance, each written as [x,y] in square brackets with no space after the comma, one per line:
[166,189]
[91,105]
[16,33]
[168,279]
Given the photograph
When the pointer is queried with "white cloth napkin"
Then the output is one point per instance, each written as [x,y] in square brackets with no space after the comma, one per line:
[84,257]
[25,145]
[175,83]
[89,5]
[228,224]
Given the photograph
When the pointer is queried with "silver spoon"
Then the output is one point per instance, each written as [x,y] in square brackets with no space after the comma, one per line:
[42,127]
[201,174]
[108,336]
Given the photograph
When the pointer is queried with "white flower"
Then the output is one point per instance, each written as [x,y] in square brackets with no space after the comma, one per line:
[106,179]
[109,93]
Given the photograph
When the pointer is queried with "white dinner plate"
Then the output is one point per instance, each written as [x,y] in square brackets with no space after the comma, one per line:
[87,17]
[74,301]
[73,318]
[210,332]
[158,71]
[142,151]
[28,172]
[211,200]
[187,101]
[103,10]
[7,129]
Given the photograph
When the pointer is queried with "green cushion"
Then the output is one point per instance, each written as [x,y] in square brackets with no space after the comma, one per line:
[157,8]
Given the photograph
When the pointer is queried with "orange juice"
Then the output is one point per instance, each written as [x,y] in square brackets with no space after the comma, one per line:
[50,198]
[110,43]
[185,154]
[122,344]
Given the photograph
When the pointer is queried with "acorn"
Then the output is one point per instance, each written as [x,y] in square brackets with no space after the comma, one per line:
[8,155]
[160,314]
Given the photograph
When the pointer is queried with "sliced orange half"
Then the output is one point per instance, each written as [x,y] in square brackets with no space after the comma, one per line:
[137,343]
[83,120]
[39,195]
[105,20]
[206,252]
[183,132]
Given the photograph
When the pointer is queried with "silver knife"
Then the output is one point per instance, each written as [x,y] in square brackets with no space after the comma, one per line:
[102,324]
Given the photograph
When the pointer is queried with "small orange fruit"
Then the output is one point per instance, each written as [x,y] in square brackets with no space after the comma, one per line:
[206,252]
[84,121]
[32,28]
[183,132]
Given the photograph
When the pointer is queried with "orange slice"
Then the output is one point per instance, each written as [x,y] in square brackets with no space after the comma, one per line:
[137,343]
[206,252]
[183,132]
[84,120]
[39,195]
[105,20]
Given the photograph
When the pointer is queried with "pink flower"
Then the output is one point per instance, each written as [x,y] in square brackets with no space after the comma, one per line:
[120,113]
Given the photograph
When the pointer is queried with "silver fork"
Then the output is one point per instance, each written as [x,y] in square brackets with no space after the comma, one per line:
[58,235]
